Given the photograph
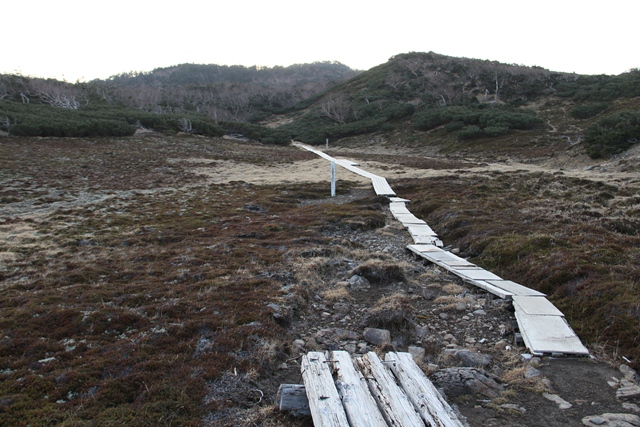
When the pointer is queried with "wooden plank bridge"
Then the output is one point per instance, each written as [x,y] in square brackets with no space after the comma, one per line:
[543,327]
[367,392]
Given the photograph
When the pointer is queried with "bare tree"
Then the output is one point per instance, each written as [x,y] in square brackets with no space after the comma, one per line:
[395,80]
[55,93]
[336,107]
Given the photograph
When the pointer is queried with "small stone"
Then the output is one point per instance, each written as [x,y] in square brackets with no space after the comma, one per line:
[297,345]
[629,373]
[501,345]
[428,294]
[525,357]
[465,318]
[460,306]
[469,358]
[377,336]
[283,365]
[631,407]
[325,315]
[531,372]
[535,362]
[346,334]
[451,339]
[443,316]
[350,348]
[562,404]
[418,353]
[470,340]
[480,312]
[513,407]
[459,381]
[613,420]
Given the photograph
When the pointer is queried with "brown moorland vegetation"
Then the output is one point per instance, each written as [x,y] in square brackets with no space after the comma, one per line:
[134,290]
[139,279]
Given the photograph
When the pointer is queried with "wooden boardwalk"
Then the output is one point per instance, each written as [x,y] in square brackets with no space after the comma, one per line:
[369,392]
[543,327]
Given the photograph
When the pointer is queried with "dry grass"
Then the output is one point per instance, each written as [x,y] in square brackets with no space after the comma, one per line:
[453,289]
[339,292]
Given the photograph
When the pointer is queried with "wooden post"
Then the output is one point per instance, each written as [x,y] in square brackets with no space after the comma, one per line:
[327,146]
[333,178]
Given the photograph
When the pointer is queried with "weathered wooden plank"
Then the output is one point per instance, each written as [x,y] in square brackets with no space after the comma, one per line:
[515,288]
[535,305]
[293,398]
[409,219]
[426,399]
[392,400]
[479,274]
[419,249]
[324,402]
[430,240]
[361,408]
[398,199]
[381,186]
[549,334]
[499,292]
[420,229]
[399,210]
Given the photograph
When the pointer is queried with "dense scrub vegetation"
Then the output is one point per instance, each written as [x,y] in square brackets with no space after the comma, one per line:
[467,98]
[613,134]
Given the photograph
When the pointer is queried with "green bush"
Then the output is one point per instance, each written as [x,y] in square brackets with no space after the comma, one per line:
[470,132]
[478,121]
[95,120]
[588,111]
[613,134]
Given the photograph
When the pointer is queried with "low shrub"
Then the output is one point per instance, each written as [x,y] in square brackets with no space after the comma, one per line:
[613,134]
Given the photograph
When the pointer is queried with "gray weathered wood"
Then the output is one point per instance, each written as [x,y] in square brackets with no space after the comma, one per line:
[535,305]
[324,402]
[293,399]
[396,210]
[515,288]
[382,187]
[549,334]
[418,249]
[426,399]
[398,200]
[361,408]
[409,219]
[392,400]
[499,292]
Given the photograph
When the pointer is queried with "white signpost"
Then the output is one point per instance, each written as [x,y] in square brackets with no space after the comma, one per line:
[333,178]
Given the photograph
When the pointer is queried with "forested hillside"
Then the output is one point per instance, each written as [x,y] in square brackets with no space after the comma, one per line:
[469,99]
[429,97]
[192,98]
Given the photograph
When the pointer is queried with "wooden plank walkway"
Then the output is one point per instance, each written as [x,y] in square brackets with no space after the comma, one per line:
[367,392]
[543,327]
[380,184]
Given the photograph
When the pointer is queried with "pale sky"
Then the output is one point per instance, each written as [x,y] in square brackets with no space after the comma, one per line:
[84,40]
